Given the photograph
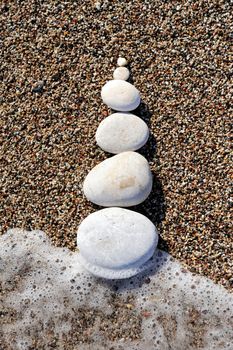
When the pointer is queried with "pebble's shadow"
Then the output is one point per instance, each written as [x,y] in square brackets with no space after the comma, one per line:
[156,263]
[154,207]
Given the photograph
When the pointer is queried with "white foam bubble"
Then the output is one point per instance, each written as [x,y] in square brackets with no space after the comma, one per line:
[48,298]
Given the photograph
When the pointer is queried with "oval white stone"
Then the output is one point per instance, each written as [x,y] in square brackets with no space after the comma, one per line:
[116,242]
[121,132]
[122,180]
[120,95]
[121,73]
[122,62]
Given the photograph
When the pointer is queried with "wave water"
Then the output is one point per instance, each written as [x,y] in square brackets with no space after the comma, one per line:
[49,301]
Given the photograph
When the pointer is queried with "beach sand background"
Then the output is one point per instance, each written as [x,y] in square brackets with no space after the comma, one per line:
[56,56]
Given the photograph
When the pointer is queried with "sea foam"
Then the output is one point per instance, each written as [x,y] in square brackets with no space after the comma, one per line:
[49,301]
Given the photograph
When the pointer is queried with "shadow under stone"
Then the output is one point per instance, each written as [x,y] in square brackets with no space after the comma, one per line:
[156,264]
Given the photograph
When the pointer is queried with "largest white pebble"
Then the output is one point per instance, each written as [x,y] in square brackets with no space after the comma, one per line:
[121,132]
[120,181]
[116,242]
[120,95]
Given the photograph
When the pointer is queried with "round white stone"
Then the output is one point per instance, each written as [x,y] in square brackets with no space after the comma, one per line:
[121,73]
[121,132]
[122,180]
[121,62]
[116,242]
[120,95]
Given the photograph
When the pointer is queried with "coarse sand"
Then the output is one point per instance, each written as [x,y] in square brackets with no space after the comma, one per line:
[56,56]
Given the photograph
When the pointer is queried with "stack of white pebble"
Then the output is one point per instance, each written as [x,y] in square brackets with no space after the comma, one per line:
[117,242]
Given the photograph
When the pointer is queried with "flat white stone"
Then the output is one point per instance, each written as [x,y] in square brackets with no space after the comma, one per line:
[122,62]
[116,242]
[122,180]
[120,95]
[121,132]
[121,73]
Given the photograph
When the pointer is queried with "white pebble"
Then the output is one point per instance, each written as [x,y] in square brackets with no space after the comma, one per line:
[116,242]
[120,181]
[120,95]
[121,62]
[121,132]
[121,73]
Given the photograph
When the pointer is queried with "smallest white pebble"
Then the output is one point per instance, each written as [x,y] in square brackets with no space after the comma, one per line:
[121,62]
[121,73]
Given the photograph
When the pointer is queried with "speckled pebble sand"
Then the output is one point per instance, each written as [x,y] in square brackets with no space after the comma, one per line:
[55,58]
